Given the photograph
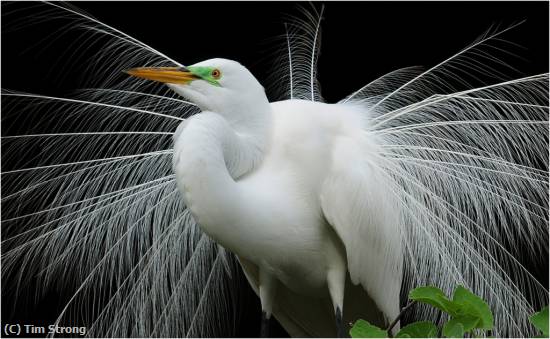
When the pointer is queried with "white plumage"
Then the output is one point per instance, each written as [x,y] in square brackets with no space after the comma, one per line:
[290,187]
[406,182]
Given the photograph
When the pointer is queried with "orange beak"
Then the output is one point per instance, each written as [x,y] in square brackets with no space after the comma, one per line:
[167,75]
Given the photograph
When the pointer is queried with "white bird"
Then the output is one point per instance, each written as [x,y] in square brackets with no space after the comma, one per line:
[333,210]
[293,188]
[296,189]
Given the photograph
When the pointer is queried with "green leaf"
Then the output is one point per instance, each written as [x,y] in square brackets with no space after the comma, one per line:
[420,329]
[364,329]
[433,296]
[467,306]
[540,321]
[468,322]
[453,329]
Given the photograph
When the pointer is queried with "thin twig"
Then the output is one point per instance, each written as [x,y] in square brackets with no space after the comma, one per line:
[403,310]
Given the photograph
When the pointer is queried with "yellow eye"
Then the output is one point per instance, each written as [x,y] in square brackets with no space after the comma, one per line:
[216,74]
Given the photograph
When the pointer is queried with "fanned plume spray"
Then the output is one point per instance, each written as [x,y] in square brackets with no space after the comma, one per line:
[468,165]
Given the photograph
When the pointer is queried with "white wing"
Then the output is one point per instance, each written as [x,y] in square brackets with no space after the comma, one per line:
[355,202]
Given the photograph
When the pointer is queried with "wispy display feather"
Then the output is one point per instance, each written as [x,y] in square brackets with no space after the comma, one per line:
[466,164]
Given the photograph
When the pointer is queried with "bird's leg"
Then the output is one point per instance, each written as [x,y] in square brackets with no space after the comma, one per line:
[340,332]
[264,330]
[336,280]
[267,295]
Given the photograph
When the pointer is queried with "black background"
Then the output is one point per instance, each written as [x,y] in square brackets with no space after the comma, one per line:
[360,42]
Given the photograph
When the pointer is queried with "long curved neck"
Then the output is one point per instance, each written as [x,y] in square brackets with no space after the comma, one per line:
[209,156]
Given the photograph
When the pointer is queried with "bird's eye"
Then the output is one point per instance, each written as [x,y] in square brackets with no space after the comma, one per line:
[216,74]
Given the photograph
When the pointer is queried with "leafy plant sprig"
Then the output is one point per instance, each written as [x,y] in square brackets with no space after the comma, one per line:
[540,321]
[468,314]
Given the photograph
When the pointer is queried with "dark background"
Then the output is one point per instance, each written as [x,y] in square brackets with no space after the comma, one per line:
[360,42]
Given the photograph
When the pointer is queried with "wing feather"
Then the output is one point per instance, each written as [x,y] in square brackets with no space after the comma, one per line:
[354,202]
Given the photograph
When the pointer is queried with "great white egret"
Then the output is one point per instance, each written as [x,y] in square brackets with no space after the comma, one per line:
[404,182]
[293,188]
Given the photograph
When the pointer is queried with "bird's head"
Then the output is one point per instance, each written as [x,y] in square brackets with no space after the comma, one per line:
[218,85]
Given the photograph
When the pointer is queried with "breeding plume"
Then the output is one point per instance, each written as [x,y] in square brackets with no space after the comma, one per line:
[331,210]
